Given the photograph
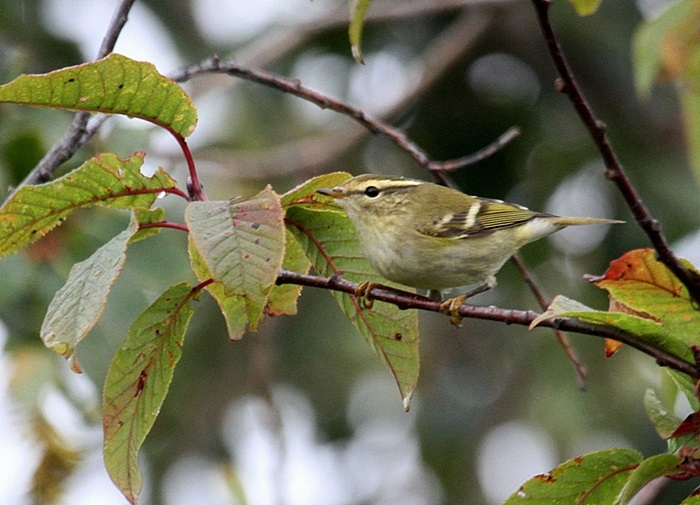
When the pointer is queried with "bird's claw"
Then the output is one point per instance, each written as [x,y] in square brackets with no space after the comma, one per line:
[362,291]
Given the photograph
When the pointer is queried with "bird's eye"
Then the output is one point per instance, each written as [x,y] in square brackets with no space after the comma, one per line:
[372,191]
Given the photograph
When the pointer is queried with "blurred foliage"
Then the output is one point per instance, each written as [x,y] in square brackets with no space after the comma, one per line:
[473,379]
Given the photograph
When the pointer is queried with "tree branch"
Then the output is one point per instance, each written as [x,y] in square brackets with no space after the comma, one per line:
[405,300]
[566,83]
[77,134]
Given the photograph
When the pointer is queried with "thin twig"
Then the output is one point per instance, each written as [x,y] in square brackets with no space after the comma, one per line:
[507,316]
[448,166]
[77,135]
[576,363]
[613,168]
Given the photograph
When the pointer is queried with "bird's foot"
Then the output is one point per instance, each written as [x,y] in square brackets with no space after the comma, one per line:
[362,291]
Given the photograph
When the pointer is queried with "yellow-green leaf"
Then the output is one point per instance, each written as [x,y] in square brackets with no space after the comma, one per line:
[78,305]
[232,306]
[137,383]
[283,299]
[648,470]
[592,479]
[643,328]
[585,7]
[392,333]
[305,194]
[242,244]
[113,85]
[33,211]
[358,11]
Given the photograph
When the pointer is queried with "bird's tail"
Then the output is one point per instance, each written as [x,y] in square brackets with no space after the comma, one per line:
[573,221]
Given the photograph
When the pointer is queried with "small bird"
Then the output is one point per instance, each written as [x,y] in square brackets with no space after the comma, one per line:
[432,237]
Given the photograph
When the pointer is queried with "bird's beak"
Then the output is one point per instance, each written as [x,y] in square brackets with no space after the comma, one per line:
[332,192]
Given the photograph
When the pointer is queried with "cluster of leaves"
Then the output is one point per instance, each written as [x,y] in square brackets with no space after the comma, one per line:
[237,249]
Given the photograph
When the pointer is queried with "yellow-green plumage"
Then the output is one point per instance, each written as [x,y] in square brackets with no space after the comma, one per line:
[432,237]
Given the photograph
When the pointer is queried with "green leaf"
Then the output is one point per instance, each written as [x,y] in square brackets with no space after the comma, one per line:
[78,305]
[113,85]
[358,11]
[33,211]
[283,299]
[648,470]
[242,244]
[593,479]
[693,500]
[641,285]
[585,7]
[232,306]
[690,107]
[686,385]
[664,421]
[645,329]
[137,383]
[305,194]
[392,333]
[147,216]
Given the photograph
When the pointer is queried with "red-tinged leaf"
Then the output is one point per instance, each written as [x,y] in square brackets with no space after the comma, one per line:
[689,426]
[137,383]
[242,244]
[78,305]
[594,479]
[32,211]
[113,85]
[641,285]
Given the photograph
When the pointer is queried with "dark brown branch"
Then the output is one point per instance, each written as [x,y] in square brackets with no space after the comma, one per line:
[294,87]
[77,134]
[613,168]
[576,363]
[525,318]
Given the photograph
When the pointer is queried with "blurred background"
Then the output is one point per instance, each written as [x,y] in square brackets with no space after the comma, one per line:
[302,412]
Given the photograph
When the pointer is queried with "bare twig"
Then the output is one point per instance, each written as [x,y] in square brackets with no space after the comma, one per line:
[613,168]
[576,363]
[77,134]
[507,316]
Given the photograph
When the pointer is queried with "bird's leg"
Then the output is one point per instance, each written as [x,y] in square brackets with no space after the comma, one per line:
[452,305]
[361,292]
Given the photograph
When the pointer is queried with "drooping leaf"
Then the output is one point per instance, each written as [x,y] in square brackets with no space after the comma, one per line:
[242,244]
[645,329]
[392,333]
[232,306]
[648,470]
[283,299]
[641,285]
[113,85]
[33,211]
[593,479]
[585,7]
[78,305]
[358,11]
[137,383]
[147,216]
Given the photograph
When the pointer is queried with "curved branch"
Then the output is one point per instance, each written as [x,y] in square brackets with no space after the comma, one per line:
[406,300]
[566,83]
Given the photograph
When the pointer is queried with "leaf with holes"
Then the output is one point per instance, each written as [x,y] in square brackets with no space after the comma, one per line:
[113,85]
[242,244]
[137,383]
[330,242]
[78,305]
[33,211]
[358,11]
[587,480]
